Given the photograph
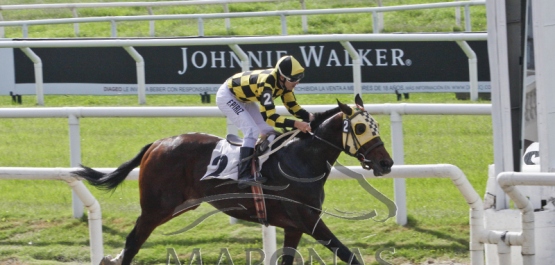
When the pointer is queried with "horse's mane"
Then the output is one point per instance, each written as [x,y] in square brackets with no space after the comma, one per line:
[319,118]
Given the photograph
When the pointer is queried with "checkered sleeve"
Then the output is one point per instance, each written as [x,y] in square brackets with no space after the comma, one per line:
[293,107]
[268,111]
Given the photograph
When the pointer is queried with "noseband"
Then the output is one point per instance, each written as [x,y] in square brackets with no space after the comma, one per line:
[350,134]
[362,156]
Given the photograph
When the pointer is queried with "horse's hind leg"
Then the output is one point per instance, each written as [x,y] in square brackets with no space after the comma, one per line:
[146,223]
[144,226]
[142,230]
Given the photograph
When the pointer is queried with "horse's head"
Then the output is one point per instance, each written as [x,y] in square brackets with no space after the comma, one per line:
[361,138]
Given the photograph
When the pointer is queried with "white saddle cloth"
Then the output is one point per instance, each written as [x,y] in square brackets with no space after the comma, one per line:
[224,162]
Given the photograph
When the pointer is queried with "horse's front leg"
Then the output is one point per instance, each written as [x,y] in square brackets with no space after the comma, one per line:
[323,234]
[291,241]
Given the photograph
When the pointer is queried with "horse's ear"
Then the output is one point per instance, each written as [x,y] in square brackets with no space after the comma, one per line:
[358,101]
[344,108]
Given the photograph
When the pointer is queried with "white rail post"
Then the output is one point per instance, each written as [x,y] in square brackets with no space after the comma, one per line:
[468,25]
[375,23]
[140,62]
[95,218]
[380,18]
[472,69]
[304,20]
[399,184]
[357,89]
[38,74]
[25,31]
[75,25]
[114,28]
[2,33]
[227,20]
[200,27]
[151,22]
[269,243]
[75,158]
[457,14]
[283,24]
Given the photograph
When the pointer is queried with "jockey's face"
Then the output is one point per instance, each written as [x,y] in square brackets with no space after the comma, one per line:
[289,86]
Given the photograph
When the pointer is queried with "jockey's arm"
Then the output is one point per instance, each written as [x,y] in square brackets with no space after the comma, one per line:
[268,111]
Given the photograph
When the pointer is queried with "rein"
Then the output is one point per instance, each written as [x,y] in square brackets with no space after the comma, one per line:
[327,142]
[292,133]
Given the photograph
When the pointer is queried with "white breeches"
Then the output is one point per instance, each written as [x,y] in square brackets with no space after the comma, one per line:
[245,115]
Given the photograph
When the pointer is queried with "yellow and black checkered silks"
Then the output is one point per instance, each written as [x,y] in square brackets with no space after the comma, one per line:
[262,86]
[371,132]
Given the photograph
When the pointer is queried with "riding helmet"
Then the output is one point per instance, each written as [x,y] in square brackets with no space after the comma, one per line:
[290,68]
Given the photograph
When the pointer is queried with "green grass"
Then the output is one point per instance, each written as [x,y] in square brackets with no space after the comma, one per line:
[432,20]
[36,226]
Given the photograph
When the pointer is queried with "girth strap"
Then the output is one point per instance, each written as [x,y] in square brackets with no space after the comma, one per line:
[260,204]
[258,196]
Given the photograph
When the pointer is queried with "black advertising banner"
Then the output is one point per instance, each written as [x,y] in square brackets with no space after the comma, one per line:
[386,67]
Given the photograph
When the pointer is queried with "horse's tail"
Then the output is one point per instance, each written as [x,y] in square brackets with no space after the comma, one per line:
[109,181]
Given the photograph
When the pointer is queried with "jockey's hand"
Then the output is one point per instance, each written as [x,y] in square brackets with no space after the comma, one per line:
[303,126]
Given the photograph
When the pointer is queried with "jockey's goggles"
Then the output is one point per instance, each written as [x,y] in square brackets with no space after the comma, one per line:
[295,78]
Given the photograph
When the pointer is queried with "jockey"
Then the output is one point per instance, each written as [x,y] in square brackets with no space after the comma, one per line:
[237,98]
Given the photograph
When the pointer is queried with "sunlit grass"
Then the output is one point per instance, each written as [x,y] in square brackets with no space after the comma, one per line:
[35,217]
[36,224]
[432,20]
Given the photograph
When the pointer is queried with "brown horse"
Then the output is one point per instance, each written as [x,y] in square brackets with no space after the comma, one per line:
[171,170]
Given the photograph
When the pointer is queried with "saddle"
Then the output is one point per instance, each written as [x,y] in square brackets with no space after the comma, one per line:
[261,145]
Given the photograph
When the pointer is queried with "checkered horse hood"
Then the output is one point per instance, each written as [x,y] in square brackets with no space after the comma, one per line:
[359,128]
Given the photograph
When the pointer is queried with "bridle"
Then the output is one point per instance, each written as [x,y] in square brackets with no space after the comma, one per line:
[349,133]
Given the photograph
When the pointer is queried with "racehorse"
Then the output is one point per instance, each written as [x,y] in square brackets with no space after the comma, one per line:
[171,169]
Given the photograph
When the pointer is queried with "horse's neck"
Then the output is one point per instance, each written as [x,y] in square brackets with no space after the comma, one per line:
[316,153]
[313,155]
[328,137]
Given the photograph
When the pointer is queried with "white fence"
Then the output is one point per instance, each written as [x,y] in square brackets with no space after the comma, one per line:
[148,5]
[73,114]
[282,14]
[397,173]
[479,235]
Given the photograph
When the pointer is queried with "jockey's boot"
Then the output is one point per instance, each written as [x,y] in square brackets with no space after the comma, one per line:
[245,176]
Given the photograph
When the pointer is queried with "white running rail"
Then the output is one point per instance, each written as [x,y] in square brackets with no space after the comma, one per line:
[283,14]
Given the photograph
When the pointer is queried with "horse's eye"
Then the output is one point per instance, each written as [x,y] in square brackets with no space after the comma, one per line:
[360,128]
